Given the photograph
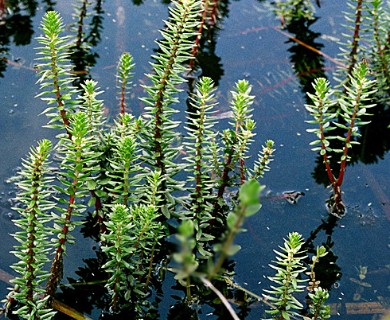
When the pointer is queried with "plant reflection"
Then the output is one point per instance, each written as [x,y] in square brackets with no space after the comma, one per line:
[307,63]
[327,271]
[81,53]
[204,51]
[15,23]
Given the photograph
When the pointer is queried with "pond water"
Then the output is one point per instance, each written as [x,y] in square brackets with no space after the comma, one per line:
[247,46]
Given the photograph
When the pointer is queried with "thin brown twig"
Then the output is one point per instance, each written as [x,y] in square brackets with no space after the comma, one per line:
[226,303]
[309,47]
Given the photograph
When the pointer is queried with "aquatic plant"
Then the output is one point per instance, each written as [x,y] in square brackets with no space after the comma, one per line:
[340,113]
[288,281]
[318,309]
[291,10]
[146,185]
[124,71]
[353,106]
[55,73]
[366,41]
[126,174]
[379,52]
[33,235]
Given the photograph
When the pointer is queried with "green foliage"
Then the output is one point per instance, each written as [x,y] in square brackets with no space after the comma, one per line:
[355,103]
[353,107]
[243,125]
[290,10]
[318,309]
[79,166]
[126,174]
[124,75]
[32,250]
[288,282]
[118,247]
[313,283]
[148,185]
[200,142]
[263,160]
[340,114]
[367,41]
[379,22]
[185,257]
[247,206]
[132,236]
[323,114]
[93,109]
[123,165]
[54,72]
[162,93]
[289,267]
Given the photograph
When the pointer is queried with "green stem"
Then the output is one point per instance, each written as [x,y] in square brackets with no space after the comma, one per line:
[60,103]
[228,243]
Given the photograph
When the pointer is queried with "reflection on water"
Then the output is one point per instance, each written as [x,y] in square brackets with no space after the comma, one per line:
[265,57]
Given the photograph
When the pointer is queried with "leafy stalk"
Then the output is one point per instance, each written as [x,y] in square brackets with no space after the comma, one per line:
[288,266]
[54,71]
[323,114]
[354,106]
[93,109]
[318,309]
[264,158]
[79,163]
[381,50]
[118,247]
[33,237]
[313,283]
[355,40]
[199,161]
[186,257]
[168,68]
[249,204]
[236,139]
[124,75]
[124,169]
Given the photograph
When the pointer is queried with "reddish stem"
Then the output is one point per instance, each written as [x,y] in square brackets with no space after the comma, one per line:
[356,37]
[242,171]
[2,9]
[195,49]
[343,163]
[160,96]
[60,102]
[56,266]
[326,160]
[123,97]
[80,23]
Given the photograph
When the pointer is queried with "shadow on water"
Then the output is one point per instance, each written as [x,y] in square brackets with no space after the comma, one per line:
[85,289]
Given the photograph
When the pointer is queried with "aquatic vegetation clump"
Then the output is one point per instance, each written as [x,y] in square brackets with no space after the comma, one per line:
[126,176]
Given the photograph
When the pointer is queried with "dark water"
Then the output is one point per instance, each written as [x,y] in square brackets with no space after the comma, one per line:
[246,46]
